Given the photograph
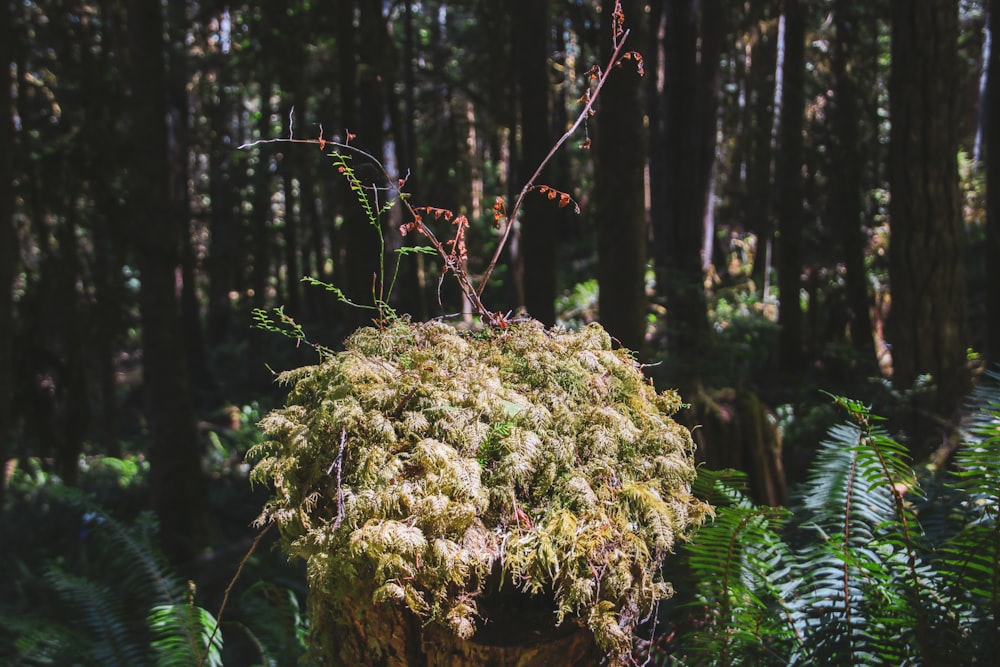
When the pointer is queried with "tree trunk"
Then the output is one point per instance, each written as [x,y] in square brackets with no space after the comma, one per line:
[538,217]
[619,191]
[262,182]
[680,184]
[225,235]
[992,145]
[403,640]
[927,323]
[789,181]
[359,240]
[179,142]
[72,398]
[847,189]
[8,240]
[177,485]
[763,74]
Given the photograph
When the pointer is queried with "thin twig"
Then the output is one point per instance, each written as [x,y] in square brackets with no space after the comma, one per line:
[229,588]
[583,115]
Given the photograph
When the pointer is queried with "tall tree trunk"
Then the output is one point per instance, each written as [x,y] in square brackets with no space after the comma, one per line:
[789,181]
[178,145]
[538,231]
[847,189]
[927,323]
[413,278]
[992,147]
[177,483]
[763,68]
[260,214]
[680,183]
[72,398]
[619,191]
[359,242]
[225,235]
[373,76]
[8,237]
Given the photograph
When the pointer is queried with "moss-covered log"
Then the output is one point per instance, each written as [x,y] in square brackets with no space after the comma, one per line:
[425,473]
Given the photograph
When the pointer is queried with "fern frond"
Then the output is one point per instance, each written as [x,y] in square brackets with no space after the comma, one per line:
[270,615]
[740,564]
[111,638]
[970,559]
[867,594]
[185,635]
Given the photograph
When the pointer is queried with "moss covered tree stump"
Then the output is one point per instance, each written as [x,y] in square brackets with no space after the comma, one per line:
[486,498]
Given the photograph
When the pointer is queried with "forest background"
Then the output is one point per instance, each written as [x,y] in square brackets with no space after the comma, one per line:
[794,197]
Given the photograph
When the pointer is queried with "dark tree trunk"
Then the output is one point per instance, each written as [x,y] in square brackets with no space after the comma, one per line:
[177,485]
[359,240]
[8,236]
[178,115]
[293,258]
[847,188]
[411,287]
[73,402]
[927,324]
[260,214]
[109,296]
[789,182]
[108,220]
[992,146]
[225,235]
[538,218]
[759,168]
[403,640]
[619,191]
[373,78]
[685,142]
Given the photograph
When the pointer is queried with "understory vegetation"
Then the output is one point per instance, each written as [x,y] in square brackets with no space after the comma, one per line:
[873,562]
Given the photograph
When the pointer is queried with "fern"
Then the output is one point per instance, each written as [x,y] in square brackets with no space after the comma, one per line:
[970,559]
[111,641]
[740,561]
[185,635]
[271,618]
[118,579]
[866,591]
[876,567]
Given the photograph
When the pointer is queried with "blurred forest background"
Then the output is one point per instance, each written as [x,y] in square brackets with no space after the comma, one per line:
[794,197]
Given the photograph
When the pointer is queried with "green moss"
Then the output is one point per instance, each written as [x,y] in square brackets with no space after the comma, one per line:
[421,459]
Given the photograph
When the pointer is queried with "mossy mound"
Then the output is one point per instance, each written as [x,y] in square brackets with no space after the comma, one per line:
[422,459]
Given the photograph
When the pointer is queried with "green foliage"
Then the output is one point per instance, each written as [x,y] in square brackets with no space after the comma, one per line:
[116,602]
[876,565]
[185,635]
[742,565]
[421,460]
[270,616]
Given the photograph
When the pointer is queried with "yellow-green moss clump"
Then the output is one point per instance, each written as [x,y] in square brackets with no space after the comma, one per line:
[422,459]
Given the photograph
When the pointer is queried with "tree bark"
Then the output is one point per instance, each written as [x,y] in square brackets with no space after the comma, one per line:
[680,182]
[538,217]
[992,145]
[8,240]
[847,195]
[927,323]
[225,235]
[761,84]
[386,635]
[790,188]
[177,485]
[179,144]
[619,191]
[362,112]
